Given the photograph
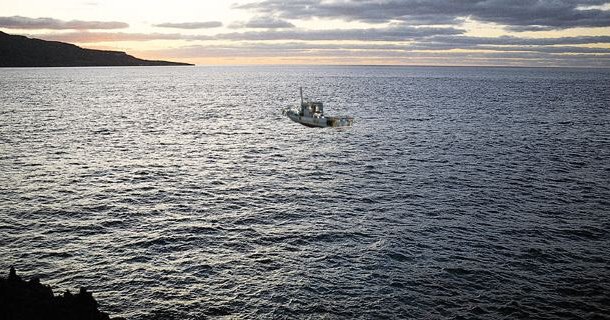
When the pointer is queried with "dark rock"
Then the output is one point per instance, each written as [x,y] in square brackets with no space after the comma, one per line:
[21,300]
[12,275]
[20,51]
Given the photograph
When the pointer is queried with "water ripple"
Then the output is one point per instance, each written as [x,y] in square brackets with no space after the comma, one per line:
[181,193]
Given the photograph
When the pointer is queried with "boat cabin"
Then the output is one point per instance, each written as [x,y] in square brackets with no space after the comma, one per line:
[312,109]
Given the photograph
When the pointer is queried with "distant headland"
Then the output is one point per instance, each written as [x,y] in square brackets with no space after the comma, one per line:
[20,51]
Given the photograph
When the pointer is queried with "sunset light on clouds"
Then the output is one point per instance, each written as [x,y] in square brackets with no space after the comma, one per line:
[436,32]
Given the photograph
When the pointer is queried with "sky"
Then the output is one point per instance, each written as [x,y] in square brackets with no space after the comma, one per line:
[380,32]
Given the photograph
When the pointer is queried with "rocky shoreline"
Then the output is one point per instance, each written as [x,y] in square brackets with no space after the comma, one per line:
[25,300]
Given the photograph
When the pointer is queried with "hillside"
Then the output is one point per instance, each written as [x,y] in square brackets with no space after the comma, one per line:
[20,51]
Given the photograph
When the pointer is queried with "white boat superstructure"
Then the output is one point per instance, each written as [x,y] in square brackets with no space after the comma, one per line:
[311,114]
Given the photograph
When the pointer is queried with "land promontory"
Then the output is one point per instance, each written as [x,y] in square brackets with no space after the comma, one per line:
[20,51]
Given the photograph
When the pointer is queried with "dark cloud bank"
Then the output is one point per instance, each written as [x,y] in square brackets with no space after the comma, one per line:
[516,14]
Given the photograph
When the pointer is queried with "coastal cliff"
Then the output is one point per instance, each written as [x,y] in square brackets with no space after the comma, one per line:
[20,51]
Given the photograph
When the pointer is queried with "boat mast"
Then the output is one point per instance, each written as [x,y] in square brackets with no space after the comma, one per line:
[301,90]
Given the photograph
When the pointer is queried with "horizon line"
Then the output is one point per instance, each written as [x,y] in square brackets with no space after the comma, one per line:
[331,65]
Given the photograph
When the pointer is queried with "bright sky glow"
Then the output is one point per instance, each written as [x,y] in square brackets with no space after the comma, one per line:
[434,32]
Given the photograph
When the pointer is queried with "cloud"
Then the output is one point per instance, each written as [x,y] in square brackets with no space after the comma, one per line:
[548,49]
[190,25]
[551,14]
[424,38]
[93,37]
[518,41]
[372,49]
[605,6]
[397,43]
[396,54]
[263,22]
[392,33]
[18,22]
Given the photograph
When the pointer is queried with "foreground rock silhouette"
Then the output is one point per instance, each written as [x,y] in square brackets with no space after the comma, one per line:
[20,51]
[25,300]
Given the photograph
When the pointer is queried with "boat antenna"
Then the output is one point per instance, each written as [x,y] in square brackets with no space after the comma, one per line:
[301,90]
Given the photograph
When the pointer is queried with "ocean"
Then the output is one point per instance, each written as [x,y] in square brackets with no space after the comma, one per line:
[182,192]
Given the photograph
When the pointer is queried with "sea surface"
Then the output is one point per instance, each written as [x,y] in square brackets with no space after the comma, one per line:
[182,192]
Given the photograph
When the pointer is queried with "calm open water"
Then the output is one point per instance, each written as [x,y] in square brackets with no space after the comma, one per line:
[177,192]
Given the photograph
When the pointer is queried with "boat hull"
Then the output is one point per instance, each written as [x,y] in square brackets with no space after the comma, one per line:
[320,122]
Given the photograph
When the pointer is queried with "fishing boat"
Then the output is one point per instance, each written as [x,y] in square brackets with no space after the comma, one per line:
[311,114]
